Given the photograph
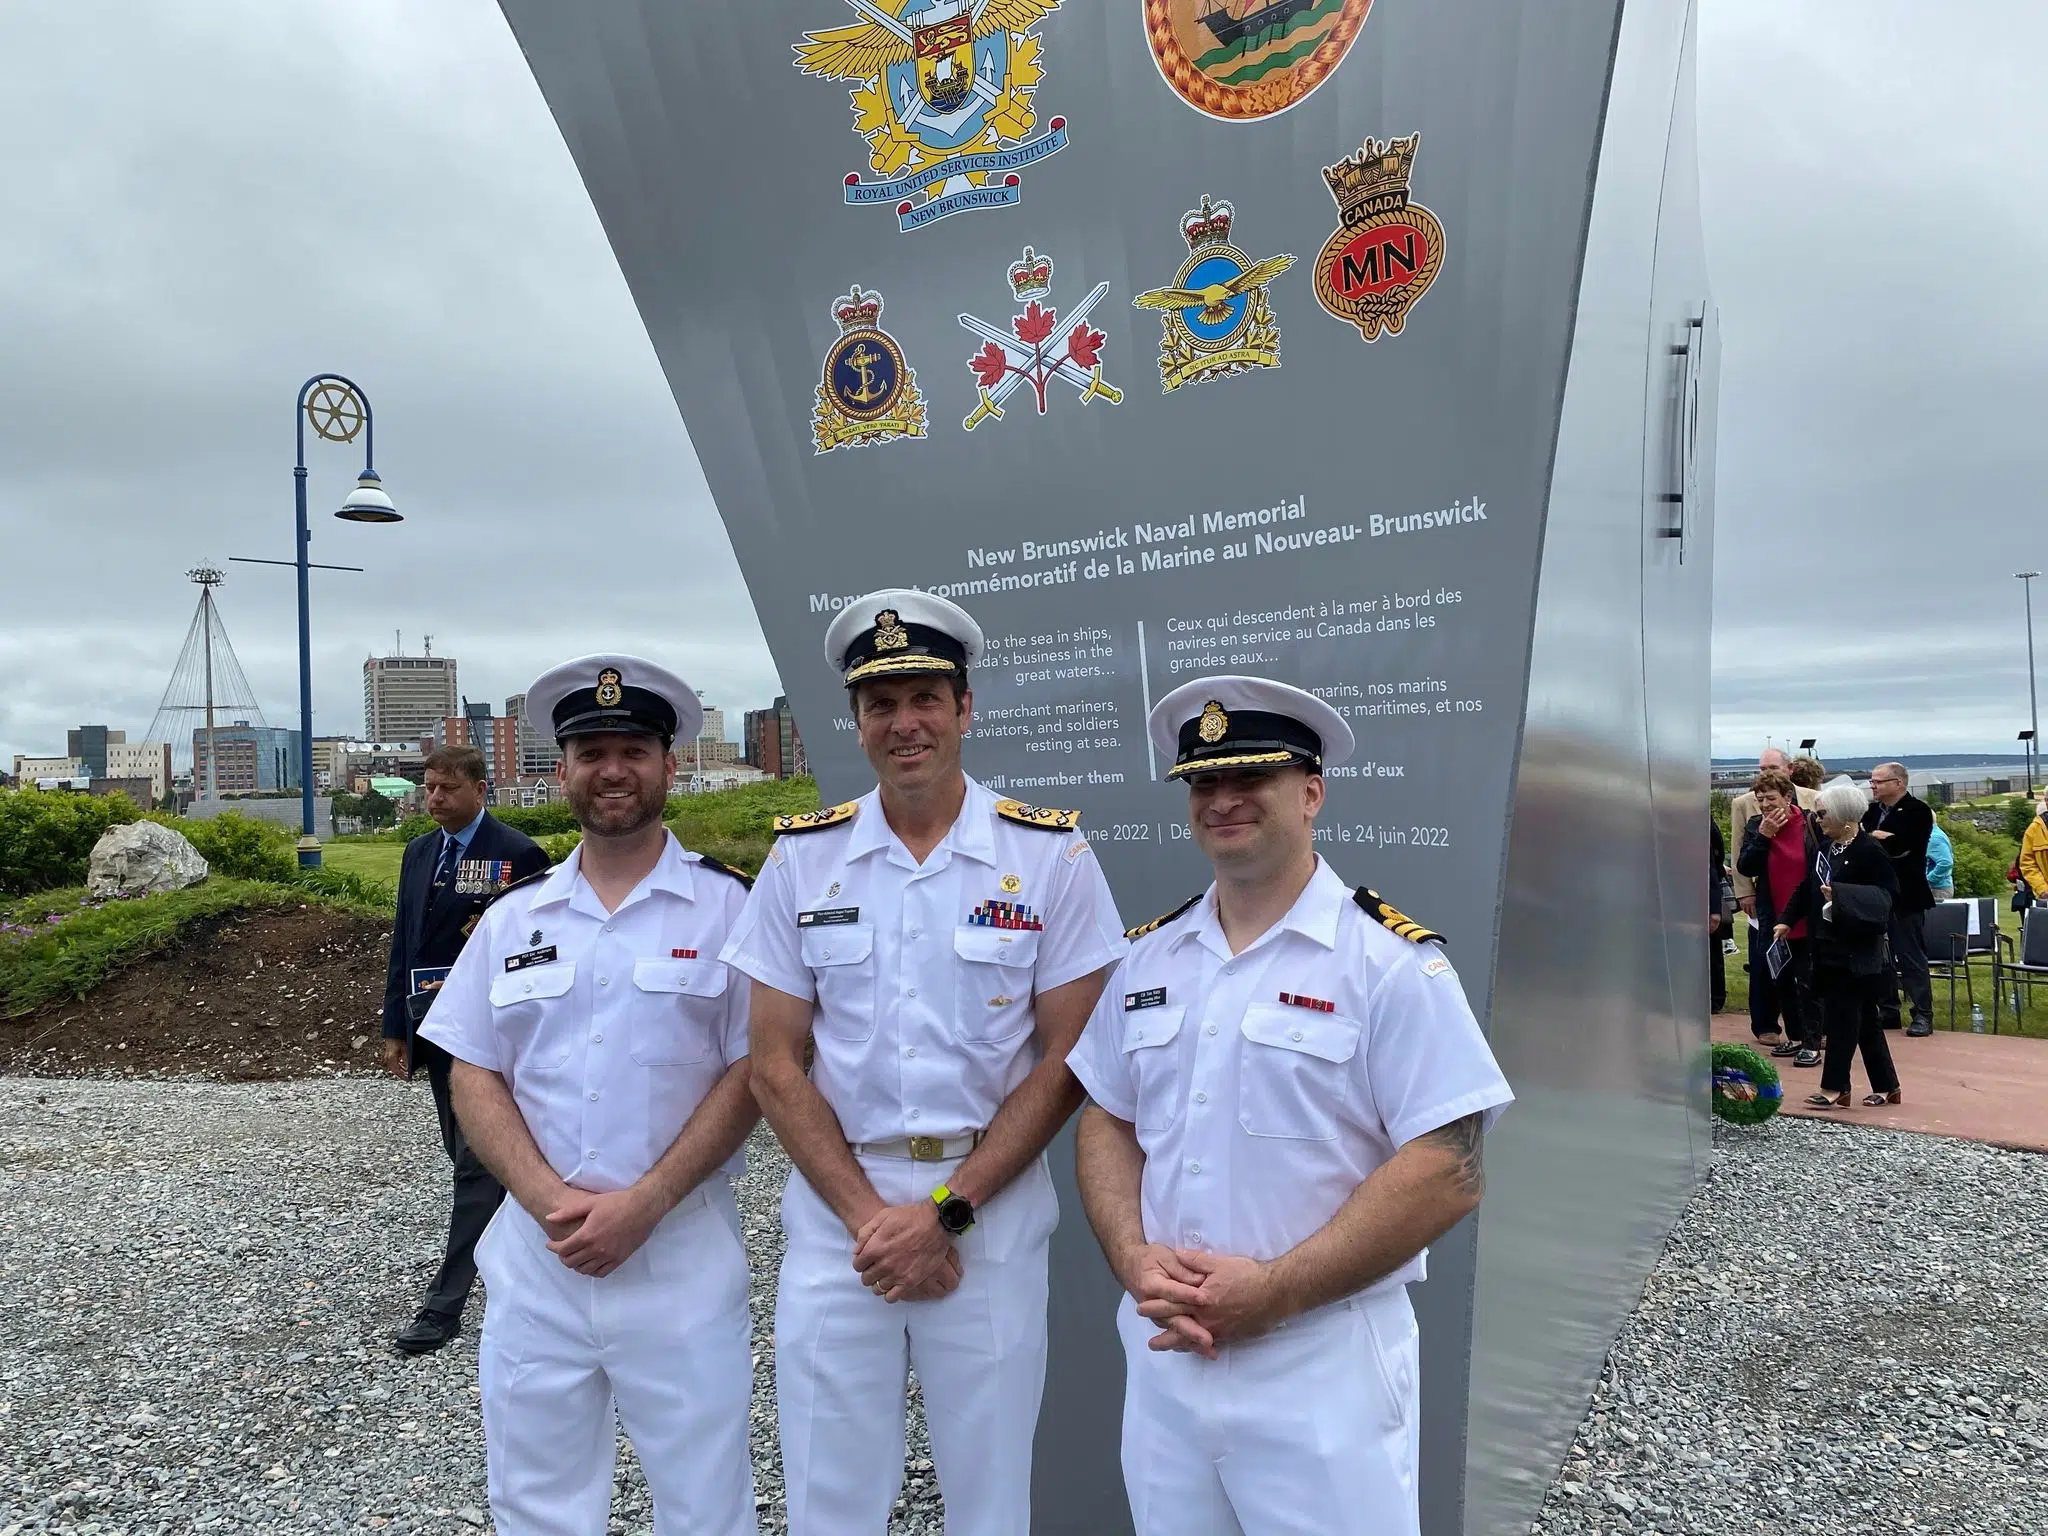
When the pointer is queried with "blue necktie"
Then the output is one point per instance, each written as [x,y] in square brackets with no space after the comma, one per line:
[444,873]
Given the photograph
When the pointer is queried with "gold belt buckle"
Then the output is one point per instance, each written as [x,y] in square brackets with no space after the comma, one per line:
[927,1149]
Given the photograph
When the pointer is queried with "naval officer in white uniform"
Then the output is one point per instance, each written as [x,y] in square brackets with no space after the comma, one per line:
[1289,1093]
[942,948]
[601,1073]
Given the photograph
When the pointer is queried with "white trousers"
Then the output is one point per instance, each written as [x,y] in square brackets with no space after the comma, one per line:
[1308,1431]
[662,1342]
[841,1355]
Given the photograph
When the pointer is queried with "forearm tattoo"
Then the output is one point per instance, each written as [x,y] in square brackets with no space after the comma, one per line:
[1465,1140]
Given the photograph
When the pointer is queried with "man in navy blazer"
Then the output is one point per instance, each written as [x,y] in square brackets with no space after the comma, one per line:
[449,876]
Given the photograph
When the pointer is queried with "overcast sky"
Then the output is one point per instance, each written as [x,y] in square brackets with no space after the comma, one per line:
[210,200]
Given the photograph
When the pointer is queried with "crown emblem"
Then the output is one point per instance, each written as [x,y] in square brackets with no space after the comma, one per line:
[1208,224]
[1375,180]
[608,693]
[890,635]
[1214,723]
[860,310]
[1031,277]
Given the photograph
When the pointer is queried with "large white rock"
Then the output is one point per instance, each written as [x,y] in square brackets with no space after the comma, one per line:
[142,857]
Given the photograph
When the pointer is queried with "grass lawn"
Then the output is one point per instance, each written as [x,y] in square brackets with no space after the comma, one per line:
[373,861]
[2034,1010]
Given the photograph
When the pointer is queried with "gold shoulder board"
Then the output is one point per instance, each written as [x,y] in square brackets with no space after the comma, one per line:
[1160,922]
[1393,919]
[811,821]
[498,896]
[1038,816]
[740,875]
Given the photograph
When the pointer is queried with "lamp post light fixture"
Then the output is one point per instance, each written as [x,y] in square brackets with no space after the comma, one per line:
[339,412]
[2027,745]
[2026,581]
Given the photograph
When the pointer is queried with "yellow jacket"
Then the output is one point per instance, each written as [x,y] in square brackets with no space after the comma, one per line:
[2034,857]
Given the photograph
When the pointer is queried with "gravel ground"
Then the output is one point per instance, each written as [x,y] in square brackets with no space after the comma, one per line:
[186,1347]
[1847,1334]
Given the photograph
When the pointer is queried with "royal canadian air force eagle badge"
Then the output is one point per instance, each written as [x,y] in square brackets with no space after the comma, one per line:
[869,393]
[1218,317]
[944,92]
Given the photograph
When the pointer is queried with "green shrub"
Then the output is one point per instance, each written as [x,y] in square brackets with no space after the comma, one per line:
[2019,815]
[1981,857]
[558,846]
[537,821]
[46,839]
[346,888]
[419,824]
[240,847]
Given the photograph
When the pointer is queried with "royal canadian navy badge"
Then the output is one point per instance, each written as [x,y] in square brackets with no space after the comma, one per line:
[1032,350]
[1219,318]
[608,693]
[868,393]
[945,94]
[1387,250]
[1244,59]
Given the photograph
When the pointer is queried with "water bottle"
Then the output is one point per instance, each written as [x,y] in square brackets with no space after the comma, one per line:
[1976,1018]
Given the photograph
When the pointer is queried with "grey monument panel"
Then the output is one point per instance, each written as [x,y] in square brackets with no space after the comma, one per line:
[1169,340]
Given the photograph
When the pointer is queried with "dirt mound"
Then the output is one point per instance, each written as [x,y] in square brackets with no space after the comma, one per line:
[244,997]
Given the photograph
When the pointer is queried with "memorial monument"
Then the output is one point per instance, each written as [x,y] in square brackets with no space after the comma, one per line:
[1366,344]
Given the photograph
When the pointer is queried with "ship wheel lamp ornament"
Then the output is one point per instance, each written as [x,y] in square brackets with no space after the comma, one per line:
[335,412]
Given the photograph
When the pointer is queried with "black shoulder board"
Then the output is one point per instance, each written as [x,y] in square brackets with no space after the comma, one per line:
[708,862]
[538,874]
[1393,919]
[1038,816]
[1160,922]
[812,821]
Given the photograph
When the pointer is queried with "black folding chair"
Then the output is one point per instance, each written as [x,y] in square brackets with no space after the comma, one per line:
[1946,929]
[2030,968]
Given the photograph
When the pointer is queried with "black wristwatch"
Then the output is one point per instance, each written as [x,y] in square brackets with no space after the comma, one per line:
[956,1212]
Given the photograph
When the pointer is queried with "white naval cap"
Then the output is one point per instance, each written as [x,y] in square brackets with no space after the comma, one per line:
[1246,722]
[900,633]
[613,692]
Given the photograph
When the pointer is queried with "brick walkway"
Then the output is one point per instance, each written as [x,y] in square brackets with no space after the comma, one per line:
[1990,1088]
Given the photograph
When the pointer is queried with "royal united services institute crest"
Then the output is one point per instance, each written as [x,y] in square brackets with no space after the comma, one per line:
[868,393]
[1218,316]
[944,93]
[1245,59]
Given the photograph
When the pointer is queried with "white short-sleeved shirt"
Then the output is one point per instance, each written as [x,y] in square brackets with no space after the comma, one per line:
[1266,1086]
[924,974]
[609,1027]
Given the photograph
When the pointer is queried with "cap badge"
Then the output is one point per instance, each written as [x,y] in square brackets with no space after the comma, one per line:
[890,635]
[1214,723]
[608,693]
[1012,885]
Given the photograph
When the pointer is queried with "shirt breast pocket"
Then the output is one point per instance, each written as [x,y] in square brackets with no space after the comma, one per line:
[841,958]
[992,981]
[678,1013]
[1154,1067]
[522,1003]
[1294,1078]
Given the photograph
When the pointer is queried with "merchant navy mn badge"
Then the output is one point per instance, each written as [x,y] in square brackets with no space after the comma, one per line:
[1219,319]
[868,393]
[1387,251]
[1031,351]
[1245,59]
[944,92]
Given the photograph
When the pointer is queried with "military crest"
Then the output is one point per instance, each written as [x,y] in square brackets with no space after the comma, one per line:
[868,393]
[1387,250]
[945,94]
[608,694]
[1214,723]
[1039,347]
[1245,59]
[1218,317]
[890,635]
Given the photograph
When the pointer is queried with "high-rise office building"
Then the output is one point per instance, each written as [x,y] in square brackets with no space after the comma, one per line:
[149,760]
[537,754]
[249,758]
[89,743]
[404,697]
[496,736]
[770,741]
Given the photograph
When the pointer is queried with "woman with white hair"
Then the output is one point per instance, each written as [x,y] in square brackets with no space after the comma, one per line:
[1846,901]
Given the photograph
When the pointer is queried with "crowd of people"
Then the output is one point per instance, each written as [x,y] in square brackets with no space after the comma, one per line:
[1833,882]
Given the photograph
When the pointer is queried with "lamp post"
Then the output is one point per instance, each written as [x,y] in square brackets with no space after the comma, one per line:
[2026,581]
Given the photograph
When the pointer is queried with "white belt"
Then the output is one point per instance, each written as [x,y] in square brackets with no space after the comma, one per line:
[920,1149]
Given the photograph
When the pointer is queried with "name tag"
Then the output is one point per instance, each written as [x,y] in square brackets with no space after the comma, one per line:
[1151,997]
[539,956]
[827,917]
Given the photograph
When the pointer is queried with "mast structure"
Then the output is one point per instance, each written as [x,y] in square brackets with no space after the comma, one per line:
[207,684]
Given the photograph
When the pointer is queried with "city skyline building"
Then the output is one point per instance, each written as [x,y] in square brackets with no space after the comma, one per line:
[405,697]
[244,759]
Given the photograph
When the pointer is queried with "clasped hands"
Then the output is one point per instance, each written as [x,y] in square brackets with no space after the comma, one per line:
[1199,1301]
[903,1254]
[595,1233]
